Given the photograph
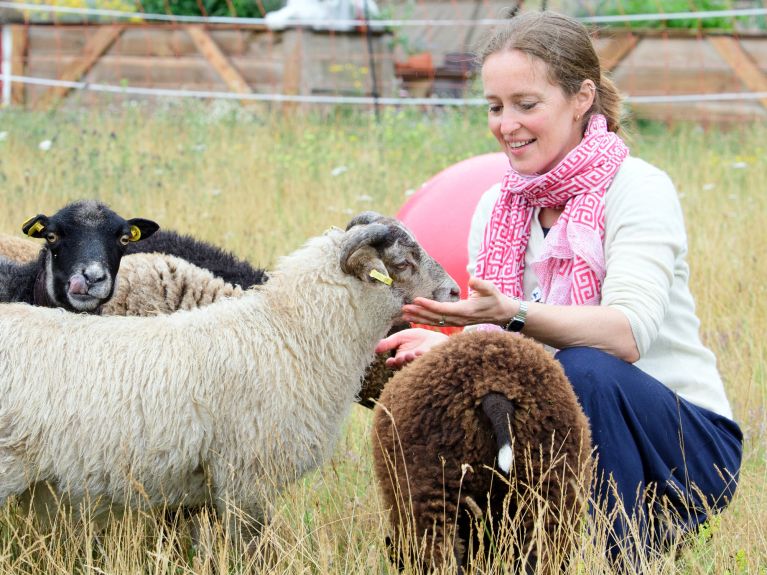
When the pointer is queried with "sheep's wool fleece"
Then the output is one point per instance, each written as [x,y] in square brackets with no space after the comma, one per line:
[153,284]
[429,423]
[19,249]
[236,398]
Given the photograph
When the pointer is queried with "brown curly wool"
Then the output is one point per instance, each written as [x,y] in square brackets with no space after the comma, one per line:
[440,425]
[377,374]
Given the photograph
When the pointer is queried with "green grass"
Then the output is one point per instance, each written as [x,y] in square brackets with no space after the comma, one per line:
[261,183]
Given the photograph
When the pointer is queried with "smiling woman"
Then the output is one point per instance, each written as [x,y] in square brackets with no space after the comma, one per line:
[533,120]
[583,248]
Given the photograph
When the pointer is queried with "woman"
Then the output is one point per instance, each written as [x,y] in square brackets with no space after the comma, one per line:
[583,248]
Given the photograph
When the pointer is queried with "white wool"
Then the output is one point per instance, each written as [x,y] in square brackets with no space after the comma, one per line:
[505,458]
[19,249]
[237,397]
[154,284]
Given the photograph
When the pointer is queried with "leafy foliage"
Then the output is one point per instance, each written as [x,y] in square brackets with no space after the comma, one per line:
[628,7]
[241,8]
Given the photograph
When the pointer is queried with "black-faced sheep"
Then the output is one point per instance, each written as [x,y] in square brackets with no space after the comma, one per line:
[76,269]
[222,404]
[484,417]
[219,262]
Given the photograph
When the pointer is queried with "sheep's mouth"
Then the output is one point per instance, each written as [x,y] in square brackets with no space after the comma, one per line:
[84,302]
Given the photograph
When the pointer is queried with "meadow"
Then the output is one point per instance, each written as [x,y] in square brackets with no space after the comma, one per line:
[261,183]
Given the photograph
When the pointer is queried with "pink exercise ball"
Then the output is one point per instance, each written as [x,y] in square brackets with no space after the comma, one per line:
[439,213]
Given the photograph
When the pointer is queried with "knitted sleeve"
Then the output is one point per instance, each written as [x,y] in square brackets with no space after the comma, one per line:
[645,248]
[478,222]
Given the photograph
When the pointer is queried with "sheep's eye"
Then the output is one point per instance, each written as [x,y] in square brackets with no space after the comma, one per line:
[125,239]
[401,266]
[51,237]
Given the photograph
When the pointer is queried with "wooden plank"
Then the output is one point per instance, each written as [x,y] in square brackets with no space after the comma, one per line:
[19,43]
[221,64]
[292,71]
[616,49]
[97,44]
[744,66]
[143,40]
[176,73]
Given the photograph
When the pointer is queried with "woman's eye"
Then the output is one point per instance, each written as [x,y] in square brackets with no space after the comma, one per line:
[51,237]
[494,108]
[527,105]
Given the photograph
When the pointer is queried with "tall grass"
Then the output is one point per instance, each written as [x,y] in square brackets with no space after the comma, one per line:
[260,184]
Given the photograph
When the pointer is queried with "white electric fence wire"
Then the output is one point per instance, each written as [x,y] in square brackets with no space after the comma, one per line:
[209,94]
[5,65]
[128,90]
[391,23]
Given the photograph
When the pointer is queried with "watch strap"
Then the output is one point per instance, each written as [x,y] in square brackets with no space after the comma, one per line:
[518,321]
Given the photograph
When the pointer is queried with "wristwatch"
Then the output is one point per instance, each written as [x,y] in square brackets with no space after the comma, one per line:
[518,321]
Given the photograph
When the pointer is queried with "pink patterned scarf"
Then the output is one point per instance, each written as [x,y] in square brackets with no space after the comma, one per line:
[571,267]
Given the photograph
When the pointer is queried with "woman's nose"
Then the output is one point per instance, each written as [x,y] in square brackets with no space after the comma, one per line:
[509,124]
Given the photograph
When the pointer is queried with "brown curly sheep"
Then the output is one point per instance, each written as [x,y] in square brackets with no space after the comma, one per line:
[485,420]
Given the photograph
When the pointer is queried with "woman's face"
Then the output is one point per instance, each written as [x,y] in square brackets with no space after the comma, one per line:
[533,120]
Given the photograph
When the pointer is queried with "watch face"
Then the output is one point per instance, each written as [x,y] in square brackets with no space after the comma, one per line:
[515,325]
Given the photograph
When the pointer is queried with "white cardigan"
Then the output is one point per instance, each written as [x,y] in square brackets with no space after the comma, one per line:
[647,279]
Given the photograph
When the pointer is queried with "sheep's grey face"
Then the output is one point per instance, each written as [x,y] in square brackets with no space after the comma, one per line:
[381,244]
[416,273]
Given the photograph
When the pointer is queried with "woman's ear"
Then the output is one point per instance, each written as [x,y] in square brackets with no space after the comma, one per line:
[584,98]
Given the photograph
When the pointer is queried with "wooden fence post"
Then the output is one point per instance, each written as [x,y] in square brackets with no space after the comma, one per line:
[741,63]
[19,43]
[96,46]
[216,58]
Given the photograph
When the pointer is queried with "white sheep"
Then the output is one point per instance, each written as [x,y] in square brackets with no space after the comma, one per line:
[18,249]
[154,284]
[158,283]
[222,404]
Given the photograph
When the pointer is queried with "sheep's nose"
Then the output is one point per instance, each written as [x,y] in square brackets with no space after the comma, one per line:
[455,293]
[94,275]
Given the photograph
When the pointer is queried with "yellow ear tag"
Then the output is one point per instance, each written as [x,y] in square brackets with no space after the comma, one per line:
[135,233]
[37,227]
[384,279]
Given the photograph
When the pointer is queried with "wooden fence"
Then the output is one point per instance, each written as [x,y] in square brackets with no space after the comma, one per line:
[307,62]
[196,58]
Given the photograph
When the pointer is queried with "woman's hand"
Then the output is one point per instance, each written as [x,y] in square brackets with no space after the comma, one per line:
[409,343]
[486,304]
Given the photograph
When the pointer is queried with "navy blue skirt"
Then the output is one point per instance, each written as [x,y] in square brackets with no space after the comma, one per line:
[664,465]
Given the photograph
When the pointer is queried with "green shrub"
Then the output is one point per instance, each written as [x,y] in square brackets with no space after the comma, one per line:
[628,7]
[241,8]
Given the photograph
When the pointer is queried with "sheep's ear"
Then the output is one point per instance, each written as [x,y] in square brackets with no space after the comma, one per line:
[365,265]
[141,229]
[360,252]
[35,226]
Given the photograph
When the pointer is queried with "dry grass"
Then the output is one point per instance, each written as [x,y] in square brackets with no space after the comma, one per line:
[260,185]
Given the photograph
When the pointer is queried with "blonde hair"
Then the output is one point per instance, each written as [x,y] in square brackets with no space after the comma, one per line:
[565,46]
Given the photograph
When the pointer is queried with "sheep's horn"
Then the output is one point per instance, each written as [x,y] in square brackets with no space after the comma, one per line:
[364,218]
